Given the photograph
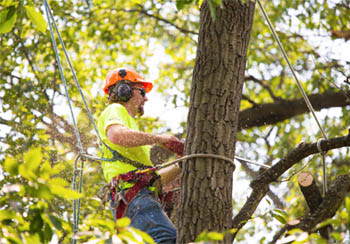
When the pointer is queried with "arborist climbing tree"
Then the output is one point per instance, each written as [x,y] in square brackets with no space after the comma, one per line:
[132,187]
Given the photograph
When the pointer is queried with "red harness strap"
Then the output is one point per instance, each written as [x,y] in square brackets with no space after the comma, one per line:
[142,179]
[132,192]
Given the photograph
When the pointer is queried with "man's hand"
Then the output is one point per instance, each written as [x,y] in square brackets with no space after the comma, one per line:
[165,138]
[175,145]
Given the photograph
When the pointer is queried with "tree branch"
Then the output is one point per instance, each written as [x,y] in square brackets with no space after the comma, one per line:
[260,185]
[144,11]
[272,113]
[264,85]
[343,34]
[276,200]
[249,100]
[327,209]
[329,206]
[26,53]
[5,122]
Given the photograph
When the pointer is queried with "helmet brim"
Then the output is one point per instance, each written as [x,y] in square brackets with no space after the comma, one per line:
[148,86]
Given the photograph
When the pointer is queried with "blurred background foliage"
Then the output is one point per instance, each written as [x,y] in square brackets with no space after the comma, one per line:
[157,38]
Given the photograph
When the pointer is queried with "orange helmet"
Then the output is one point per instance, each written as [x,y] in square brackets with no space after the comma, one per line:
[125,74]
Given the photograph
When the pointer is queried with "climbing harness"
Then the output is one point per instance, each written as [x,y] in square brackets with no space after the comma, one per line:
[141,179]
[307,101]
[146,177]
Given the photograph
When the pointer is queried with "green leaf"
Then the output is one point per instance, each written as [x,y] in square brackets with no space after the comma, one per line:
[281,212]
[8,18]
[347,204]
[56,222]
[215,236]
[6,214]
[180,4]
[36,223]
[145,237]
[38,190]
[11,166]
[33,238]
[37,18]
[328,222]
[65,193]
[32,159]
[47,233]
[7,3]
[268,201]
[232,231]
[123,222]
[280,218]
[45,170]
[58,168]
[217,2]
[58,181]
[212,10]
[337,236]
[25,173]
[202,237]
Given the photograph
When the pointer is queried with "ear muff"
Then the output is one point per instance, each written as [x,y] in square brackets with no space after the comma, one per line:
[124,92]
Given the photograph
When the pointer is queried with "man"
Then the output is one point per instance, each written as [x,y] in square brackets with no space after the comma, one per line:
[126,92]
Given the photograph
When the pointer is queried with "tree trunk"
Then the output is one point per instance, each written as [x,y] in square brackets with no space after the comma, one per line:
[206,192]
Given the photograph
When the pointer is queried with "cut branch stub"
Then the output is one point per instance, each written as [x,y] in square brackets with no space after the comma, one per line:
[310,190]
[312,196]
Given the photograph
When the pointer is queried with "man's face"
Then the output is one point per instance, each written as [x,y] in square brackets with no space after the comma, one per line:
[138,98]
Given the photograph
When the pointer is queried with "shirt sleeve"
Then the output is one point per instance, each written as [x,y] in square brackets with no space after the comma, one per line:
[116,115]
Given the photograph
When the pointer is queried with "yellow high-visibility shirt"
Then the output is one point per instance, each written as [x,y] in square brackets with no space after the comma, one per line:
[117,114]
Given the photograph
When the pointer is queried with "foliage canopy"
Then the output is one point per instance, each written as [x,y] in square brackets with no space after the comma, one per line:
[158,38]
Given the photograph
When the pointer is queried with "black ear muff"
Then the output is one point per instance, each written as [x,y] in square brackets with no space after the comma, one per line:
[124,92]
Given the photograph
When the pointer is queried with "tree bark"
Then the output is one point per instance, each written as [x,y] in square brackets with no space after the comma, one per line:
[272,113]
[310,190]
[206,192]
[312,196]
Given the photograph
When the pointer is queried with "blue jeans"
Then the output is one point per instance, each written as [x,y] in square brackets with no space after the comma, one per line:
[147,214]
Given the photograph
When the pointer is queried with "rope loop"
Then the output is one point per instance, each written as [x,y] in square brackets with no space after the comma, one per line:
[200,155]
[322,152]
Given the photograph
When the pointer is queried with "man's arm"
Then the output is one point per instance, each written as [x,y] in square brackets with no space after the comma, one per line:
[126,137]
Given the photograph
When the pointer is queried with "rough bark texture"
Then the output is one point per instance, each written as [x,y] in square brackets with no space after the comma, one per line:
[206,192]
